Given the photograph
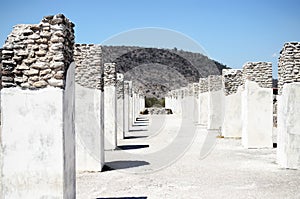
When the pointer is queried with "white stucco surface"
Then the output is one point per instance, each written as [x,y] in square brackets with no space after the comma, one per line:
[32,142]
[257,116]
[126,112]
[110,118]
[37,142]
[215,110]
[232,125]
[89,135]
[289,127]
[120,119]
[69,157]
[203,108]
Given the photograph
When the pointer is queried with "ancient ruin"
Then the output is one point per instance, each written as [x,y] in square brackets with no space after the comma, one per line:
[66,107]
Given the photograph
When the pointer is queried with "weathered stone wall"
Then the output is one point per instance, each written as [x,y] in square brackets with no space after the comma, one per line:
[203,85]
[259,72]
[37,56]
[289,64]
[190,88]
[88,65]
[196,89]
[232,79]
[110,74]
[120,86]
[214,82]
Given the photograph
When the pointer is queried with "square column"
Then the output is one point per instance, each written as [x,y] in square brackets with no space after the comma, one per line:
[120,104]
[89,108]
[203,101]
[37,111]
[232,88]
[126,107]
[110,106]
[288,138]
[257,105]
[215,103]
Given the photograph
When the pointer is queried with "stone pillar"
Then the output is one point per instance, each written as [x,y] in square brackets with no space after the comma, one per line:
[120,104]
[130,112]
[110,106]
[215,103]
[126,107]
[143,102]
[37,111]
[257,105]
[196,102]
[88,108]
[288,139]
[203,101]
[232,88]
[133,107]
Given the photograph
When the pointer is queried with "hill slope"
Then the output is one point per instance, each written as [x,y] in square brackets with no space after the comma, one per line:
[156,71]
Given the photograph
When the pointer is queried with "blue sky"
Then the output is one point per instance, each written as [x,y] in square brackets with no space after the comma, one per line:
[231,31]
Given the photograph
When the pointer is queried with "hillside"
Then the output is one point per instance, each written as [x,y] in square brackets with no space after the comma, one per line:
[156,71]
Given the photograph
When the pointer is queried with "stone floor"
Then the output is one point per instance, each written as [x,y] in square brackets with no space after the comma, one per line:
[162,159]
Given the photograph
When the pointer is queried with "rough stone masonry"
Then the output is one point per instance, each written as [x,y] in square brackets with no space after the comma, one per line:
[232,80]
[289,64]
[259,72]
[37,56]
[88,58]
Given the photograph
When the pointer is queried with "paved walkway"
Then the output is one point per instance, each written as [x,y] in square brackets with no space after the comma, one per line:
[150,166]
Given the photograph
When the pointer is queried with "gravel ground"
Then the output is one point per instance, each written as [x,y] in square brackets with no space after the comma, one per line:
[228,171]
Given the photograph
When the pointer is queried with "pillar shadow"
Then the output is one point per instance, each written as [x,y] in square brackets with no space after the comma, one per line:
[141,119]
[134,130]
[137,124]
[135,137]
[141,197]
[130,147]
[123,164]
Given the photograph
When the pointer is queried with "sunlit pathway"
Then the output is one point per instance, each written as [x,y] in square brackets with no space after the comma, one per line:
[229,171]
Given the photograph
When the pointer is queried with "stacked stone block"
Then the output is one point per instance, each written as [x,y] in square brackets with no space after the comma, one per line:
[37,56]
[88,65]
[214,83]
[289,64]
[232,80]
[260,72]
[196,89]
[203,85]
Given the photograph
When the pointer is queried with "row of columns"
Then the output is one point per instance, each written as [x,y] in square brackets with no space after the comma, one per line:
[239,104]
[58,116]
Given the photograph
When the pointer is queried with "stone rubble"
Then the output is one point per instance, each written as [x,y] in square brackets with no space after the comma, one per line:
[37,56]
[259,72]
[214,82]
[232,80]
[203,85]
[289,64]
[110,75]
[88,61]
[120,86]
